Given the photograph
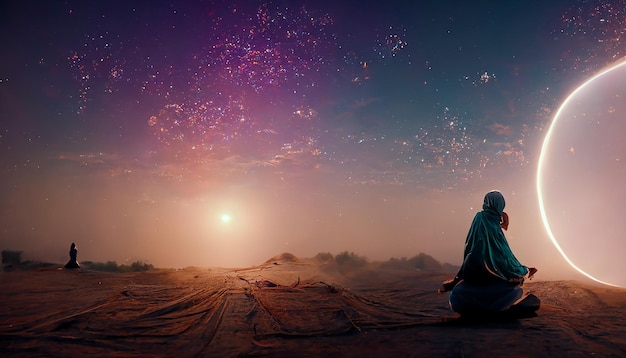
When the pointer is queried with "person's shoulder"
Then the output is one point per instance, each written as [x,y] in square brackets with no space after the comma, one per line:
[479,214]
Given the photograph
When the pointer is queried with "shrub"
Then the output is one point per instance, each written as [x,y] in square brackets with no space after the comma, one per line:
[109,266]
[421,262]
[112,266]
[425,262]
[139,266]
[350,259]
[324,257]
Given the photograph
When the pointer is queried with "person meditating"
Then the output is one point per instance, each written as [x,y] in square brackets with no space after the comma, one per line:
[490,278]
[72,263]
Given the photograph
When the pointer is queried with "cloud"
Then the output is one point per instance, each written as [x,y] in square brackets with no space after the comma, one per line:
[501,129]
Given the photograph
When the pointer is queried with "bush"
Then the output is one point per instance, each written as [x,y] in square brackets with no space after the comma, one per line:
[109,266]
[324,257]
[139,266]
[425,262]
[420,262]
[112,266]
[350,259]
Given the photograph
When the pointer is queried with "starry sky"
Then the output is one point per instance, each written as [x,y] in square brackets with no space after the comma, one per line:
[220,133]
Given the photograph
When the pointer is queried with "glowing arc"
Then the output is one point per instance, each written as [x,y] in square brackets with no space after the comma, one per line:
[544,149]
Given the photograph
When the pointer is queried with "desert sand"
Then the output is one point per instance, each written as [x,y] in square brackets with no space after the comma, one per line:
[289,307]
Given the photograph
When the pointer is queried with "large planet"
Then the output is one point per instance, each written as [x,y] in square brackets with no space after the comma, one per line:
[581,177]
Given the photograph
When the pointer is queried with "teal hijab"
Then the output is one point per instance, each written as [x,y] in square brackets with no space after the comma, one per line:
[487,253]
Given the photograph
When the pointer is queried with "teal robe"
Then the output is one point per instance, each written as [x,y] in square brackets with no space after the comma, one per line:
[487,255]
[488,265]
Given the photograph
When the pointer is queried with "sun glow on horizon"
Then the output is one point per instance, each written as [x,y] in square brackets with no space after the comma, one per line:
[542,158]
[226,218]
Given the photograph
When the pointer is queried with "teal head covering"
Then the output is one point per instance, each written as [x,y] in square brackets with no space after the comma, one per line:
[494,203]
[487,253]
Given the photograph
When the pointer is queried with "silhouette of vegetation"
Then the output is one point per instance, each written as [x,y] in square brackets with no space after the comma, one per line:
[350,259]
[109,266]
[324,257]
[139,266]
[112,266]
[420,262]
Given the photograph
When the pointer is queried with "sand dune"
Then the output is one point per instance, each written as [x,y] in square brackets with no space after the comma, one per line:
[289,307]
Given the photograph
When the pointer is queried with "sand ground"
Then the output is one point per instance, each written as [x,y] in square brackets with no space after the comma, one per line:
[289,307]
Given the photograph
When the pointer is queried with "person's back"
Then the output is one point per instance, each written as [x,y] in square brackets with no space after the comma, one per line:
[490,277]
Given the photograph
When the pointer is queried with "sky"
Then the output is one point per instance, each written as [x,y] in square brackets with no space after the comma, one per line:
[221,133]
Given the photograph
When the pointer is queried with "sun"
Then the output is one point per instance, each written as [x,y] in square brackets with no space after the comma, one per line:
[226,218]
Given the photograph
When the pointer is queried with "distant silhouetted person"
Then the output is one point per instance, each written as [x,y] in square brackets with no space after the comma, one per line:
[72,263]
